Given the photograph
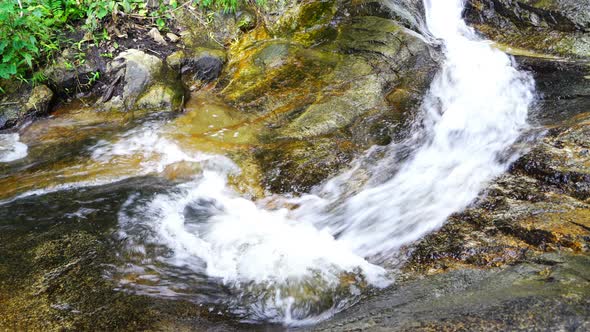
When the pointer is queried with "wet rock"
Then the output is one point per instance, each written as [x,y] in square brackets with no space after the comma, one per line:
[197,66]
[541,206]
[562,159]
[320,73]
[24,103]
[547,292]
[559,27]
[142,81]
[60,271]
[203,64]
[300,165]
[563,88]
[309,24]
[562,15]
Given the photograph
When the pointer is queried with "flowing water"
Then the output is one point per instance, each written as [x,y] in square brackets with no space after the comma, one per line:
[299,260]
[11,148]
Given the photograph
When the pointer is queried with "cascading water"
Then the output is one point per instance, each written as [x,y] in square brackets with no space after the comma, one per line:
[475,111]
[308,257]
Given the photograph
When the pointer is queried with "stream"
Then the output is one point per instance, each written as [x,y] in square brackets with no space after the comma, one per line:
[286,259]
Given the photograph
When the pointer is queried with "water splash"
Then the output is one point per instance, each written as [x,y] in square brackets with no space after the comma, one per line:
[11,148]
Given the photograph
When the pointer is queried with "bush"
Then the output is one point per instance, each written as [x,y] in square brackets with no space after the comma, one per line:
[30,30]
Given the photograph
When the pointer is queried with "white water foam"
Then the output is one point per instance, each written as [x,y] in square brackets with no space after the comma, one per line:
[11,148]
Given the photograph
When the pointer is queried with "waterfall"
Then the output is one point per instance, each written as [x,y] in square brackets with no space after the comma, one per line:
[474,112]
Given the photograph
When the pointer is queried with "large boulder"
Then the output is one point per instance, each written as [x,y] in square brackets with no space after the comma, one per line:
[316,76]
[197,66]
[142,81]
[560,27]
[562,87]
[23,104]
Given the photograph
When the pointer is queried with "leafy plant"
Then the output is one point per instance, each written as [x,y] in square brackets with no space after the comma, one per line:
[225,5]
[31,31]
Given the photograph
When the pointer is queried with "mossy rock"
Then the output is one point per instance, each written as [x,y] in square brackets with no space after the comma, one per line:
[276,68]
[24,103]
[302,84]
[140,81]
[309,23]
[554,27]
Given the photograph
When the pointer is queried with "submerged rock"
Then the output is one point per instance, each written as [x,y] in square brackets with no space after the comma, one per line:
[299,165]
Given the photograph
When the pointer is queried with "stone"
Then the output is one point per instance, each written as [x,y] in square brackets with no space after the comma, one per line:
[313,77]
[172,37]
[22,104]
[203,64]
[155,34]
[560,27]
[145,82]
[246,20]
[67,76]
[295,167]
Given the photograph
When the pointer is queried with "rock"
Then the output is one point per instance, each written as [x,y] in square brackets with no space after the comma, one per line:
[561,15]
[203,64]
[558,27]
[19,106]
[160,97]
[246,20]
[39,100]
[182,171]
[563,88]
[155,34]
[142,81]
[172,37]
[316,75]
[68,76]
[545,293]
[298,166]
[197,66]
[542,204]
[562,159]
[176,59]
[309,23]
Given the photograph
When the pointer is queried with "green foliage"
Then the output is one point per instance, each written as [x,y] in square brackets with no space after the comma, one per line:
[225,5]
[21,32]
[32,31]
